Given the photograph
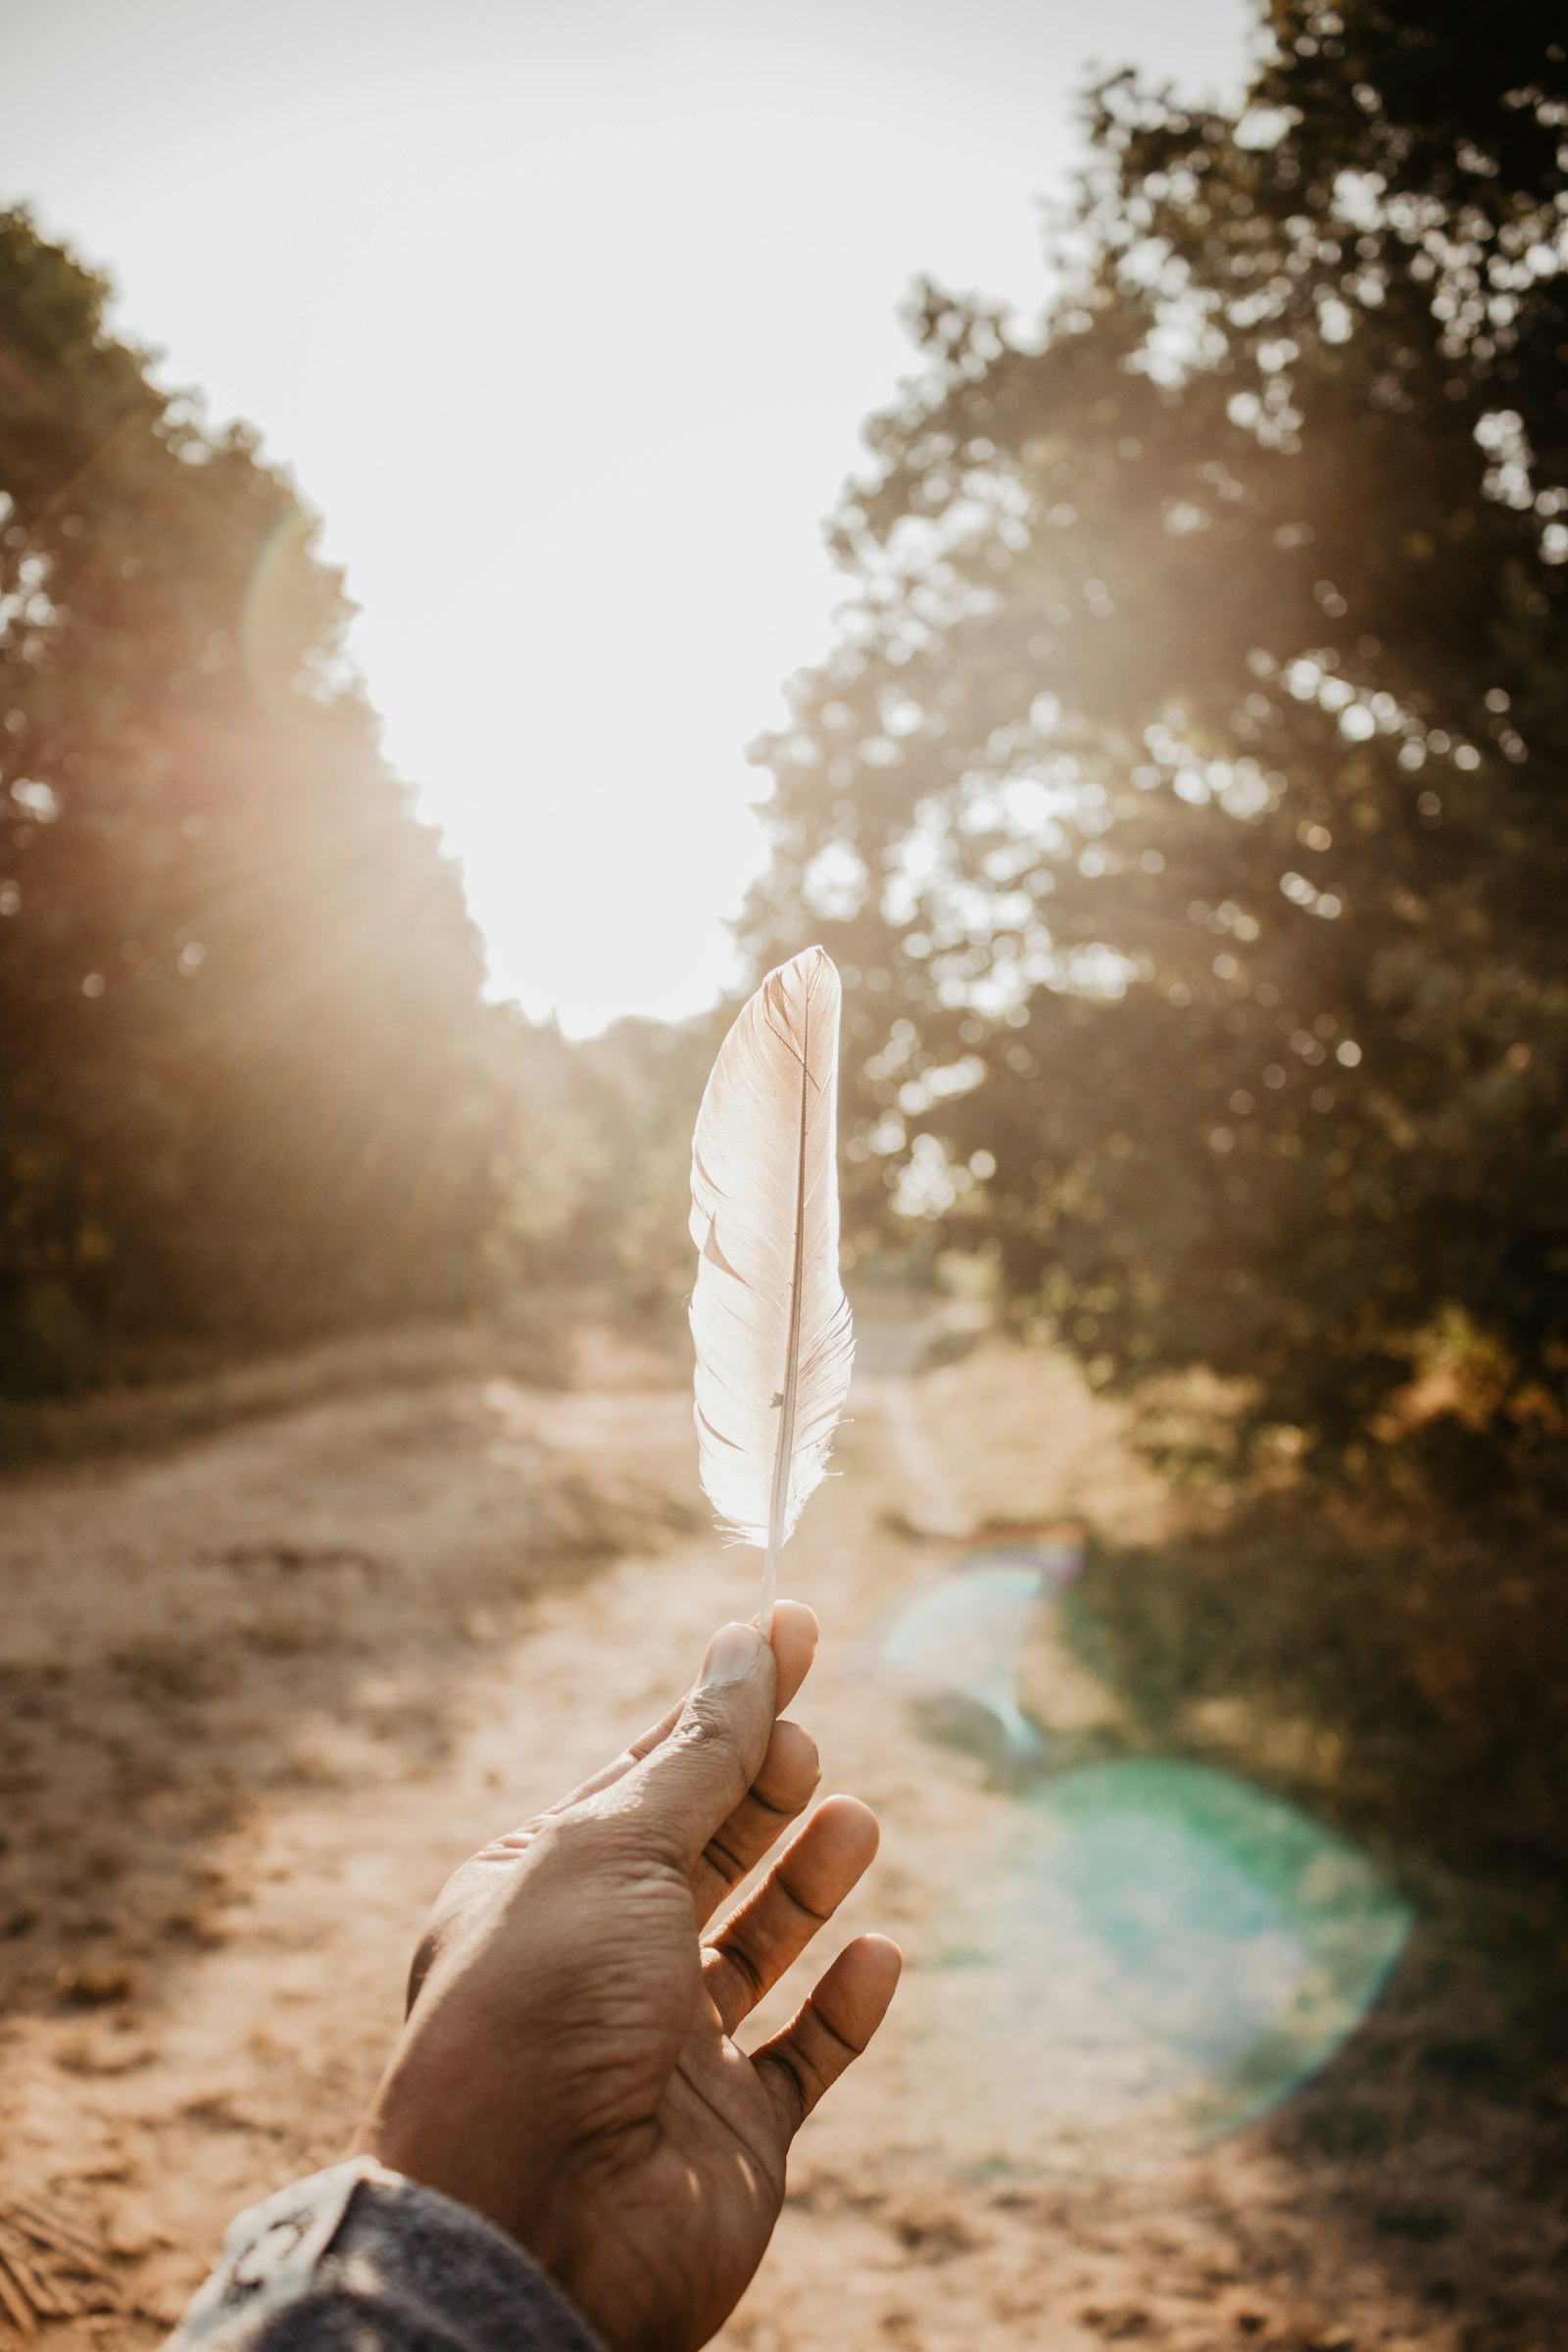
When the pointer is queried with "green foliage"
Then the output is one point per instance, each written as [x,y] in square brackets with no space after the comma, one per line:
[247,1085]
[1186,801]
[1407,1680]
[601,1166]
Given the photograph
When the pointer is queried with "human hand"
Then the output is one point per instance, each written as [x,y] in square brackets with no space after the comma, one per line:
[567,2068]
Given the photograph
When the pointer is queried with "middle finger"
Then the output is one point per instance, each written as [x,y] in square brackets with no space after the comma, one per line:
[801,1893]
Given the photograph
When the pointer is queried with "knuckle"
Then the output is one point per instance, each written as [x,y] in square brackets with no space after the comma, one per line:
[745,1965]
[708,1731]
[725,1862]
[797,1890]
[793,2075]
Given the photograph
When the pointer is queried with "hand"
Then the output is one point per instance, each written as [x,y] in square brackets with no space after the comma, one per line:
[567,2068]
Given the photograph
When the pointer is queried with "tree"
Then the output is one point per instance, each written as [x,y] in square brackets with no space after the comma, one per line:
[601,1164]
[247,1083]
[1187,799]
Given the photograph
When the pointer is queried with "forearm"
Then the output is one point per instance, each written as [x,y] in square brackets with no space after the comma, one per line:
[359,2257]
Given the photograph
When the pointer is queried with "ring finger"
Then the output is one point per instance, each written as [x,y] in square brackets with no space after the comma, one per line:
[802,1891]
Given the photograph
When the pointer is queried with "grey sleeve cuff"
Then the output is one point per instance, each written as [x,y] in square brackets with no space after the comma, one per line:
[359,2260]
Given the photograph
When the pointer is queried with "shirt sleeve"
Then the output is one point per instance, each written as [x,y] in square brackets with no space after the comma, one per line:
[359,2259]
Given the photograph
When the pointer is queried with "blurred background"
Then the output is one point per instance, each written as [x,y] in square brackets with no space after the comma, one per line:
[429,699]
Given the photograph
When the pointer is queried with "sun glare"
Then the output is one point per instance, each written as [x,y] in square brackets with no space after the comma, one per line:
[565,324]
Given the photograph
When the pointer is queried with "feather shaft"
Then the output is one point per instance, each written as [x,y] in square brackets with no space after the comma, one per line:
[784,1450]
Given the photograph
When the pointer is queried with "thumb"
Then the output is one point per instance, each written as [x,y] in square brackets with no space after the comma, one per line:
[692,1780]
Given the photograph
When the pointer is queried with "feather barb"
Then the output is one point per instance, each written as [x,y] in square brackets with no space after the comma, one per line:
[770,1324]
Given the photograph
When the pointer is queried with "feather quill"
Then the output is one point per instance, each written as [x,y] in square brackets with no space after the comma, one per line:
[770,1319]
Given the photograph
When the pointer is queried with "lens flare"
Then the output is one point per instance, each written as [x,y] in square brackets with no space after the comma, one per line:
[1135,1955]
[1153,1954]
[960,1640]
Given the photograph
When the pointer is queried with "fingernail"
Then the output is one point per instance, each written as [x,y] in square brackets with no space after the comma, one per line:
[731,1654]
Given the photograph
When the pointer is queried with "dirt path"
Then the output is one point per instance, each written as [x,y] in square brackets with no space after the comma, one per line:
[264,1692]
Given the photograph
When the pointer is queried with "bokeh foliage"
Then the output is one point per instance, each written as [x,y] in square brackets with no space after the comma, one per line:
[598,1170]
[247,1084]
[1186,801]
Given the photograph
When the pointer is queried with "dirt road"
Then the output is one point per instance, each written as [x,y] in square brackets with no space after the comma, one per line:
[260,1692]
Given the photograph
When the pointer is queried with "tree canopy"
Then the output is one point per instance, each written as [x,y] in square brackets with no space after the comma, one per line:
[248,1083]
[1185,800]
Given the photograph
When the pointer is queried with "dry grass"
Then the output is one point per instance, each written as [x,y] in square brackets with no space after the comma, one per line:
[1412,1681]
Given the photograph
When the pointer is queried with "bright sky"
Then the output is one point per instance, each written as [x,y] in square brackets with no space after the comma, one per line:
[564,314]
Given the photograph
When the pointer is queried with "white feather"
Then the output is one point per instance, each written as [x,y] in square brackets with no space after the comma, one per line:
[768,1315]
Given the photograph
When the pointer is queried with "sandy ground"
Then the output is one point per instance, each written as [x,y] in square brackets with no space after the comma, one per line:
[262,1691]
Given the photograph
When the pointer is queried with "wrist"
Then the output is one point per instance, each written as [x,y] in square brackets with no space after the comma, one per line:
[499,2158]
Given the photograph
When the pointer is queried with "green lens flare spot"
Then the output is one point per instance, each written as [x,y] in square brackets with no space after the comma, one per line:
[1150,1954]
